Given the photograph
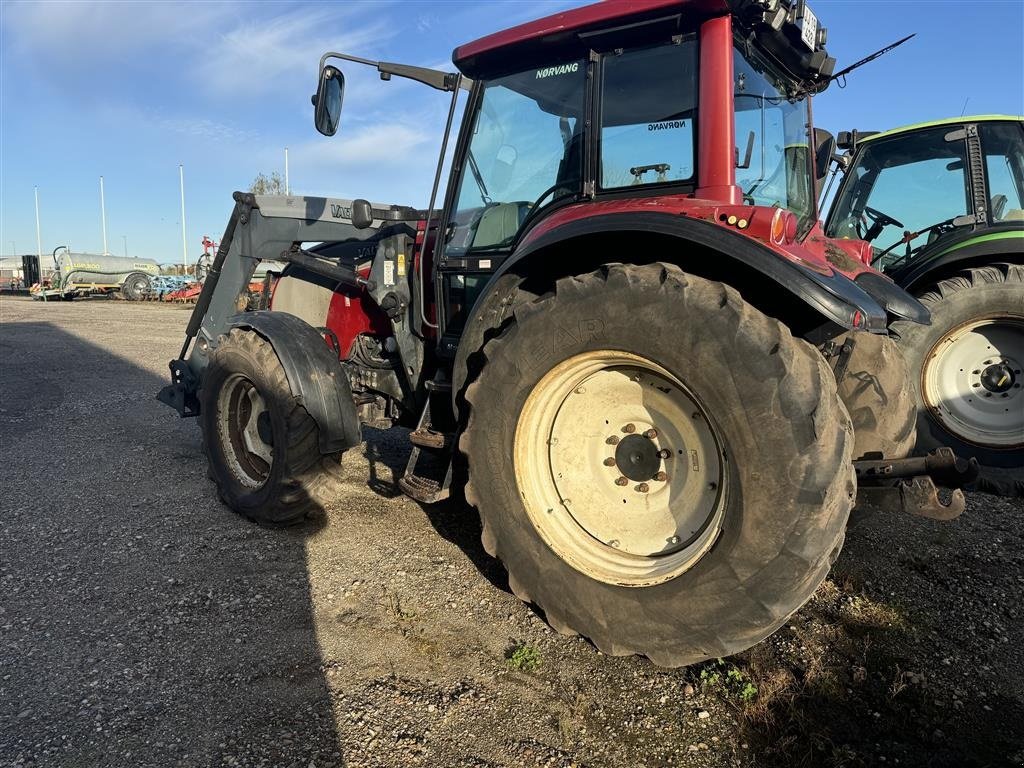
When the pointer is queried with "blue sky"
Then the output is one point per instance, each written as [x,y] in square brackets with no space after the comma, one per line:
[128,90]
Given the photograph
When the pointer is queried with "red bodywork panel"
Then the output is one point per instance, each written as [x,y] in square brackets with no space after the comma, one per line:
[353,312]
[815,252]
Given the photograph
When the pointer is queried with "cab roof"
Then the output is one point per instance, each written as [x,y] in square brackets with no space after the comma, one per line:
[938,123]
[469,58]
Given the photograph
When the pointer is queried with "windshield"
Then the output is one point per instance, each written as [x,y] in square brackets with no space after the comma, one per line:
[525,152]
[911,183]
[772,133]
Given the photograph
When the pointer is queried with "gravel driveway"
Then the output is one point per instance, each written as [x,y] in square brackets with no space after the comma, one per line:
[144,624]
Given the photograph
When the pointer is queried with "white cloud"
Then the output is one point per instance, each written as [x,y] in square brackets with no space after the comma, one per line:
[257,55]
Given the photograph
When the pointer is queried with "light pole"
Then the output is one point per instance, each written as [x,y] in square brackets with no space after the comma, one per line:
[39,248]
[287,187]
[184,241]
[125,238]
[39,240]
[103,215]
[14,249]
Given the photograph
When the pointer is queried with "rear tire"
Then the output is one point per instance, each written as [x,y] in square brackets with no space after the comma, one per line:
[135,287]
[261,444]
[875,388]
[966,367]
[768,439]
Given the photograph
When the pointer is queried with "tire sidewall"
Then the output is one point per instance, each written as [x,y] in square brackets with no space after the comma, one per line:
[773,541]
[984,300]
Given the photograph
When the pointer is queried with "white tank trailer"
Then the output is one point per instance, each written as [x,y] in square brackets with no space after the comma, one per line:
[80,274]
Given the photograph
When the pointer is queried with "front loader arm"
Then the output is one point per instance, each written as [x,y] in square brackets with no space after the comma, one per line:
[268,228]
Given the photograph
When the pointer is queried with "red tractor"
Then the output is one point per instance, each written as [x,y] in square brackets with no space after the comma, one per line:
[623,334]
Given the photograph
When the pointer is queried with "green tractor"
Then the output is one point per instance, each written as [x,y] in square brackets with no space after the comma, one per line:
[942,206]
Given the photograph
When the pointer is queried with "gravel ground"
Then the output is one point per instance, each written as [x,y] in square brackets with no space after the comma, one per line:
[142,623]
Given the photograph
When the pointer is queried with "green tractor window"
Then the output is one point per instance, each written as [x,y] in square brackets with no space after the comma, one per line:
[908,183]
[1003,145]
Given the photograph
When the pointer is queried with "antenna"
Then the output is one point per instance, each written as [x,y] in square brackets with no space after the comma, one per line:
[872,57]
[965,106]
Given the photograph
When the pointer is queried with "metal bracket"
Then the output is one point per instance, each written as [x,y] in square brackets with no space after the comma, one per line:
[918,496]
[912,485]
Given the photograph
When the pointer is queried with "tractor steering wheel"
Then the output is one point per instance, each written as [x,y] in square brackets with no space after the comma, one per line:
[884,219]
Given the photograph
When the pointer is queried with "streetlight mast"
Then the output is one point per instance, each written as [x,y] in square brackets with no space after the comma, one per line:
[103,214]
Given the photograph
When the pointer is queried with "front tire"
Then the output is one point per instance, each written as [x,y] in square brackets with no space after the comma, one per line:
[261,444]
[874,385]
[966,367]
[745,504]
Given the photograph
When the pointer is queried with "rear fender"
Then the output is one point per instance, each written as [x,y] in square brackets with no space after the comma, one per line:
[824,299]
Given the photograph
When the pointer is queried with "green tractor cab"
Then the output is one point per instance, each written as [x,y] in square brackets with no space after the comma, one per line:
[942,206]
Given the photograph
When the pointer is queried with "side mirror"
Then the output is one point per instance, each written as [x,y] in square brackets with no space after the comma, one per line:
[327,101]
[824,149]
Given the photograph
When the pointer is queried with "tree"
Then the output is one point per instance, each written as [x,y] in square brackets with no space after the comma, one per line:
[267,185]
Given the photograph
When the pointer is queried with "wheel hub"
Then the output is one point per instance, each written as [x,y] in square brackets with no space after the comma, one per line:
[998,378]
[637,457]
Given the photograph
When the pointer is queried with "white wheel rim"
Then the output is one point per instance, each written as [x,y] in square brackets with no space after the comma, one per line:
[973,385]
[241,417]
[592,422]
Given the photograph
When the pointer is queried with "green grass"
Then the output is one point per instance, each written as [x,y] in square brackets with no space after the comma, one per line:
[523,657]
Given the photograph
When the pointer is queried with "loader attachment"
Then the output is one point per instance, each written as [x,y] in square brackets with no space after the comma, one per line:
[275,228]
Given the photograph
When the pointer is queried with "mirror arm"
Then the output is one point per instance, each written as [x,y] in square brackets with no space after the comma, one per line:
[442,81]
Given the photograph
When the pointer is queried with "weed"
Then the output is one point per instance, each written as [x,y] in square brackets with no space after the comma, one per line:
[523,657]
[728,680]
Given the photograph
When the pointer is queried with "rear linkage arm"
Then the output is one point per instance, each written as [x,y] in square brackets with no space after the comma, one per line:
[912,485]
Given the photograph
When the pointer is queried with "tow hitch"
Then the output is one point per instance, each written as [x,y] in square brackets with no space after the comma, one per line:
[913,485]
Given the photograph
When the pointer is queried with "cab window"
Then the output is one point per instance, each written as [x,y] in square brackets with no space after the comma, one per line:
[647,114]
[1003,145]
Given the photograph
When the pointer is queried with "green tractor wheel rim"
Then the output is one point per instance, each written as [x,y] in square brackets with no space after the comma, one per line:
[973,385]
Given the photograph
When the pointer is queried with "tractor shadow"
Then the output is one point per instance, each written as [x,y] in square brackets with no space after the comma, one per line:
[142,618]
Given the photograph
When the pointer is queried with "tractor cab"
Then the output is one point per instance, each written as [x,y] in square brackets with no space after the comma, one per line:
[911,192]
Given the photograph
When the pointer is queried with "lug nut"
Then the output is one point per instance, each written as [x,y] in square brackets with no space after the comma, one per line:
[650,434]
[613,440]
[643,488]
[580,390]
[621,481]
[673,540]
[712,486]
[609,462]
[661,477]
[629,429]
[665,453]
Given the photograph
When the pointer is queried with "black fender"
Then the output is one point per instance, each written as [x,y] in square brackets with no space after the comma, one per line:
[972,248]
[834,297]
[314,374]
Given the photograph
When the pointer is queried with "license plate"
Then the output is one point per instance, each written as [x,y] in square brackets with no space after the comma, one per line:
[809,28]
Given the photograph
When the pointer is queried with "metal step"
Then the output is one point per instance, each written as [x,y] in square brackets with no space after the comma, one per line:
[430,439]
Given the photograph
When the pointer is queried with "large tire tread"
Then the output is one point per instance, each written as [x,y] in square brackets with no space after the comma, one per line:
[791,370]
